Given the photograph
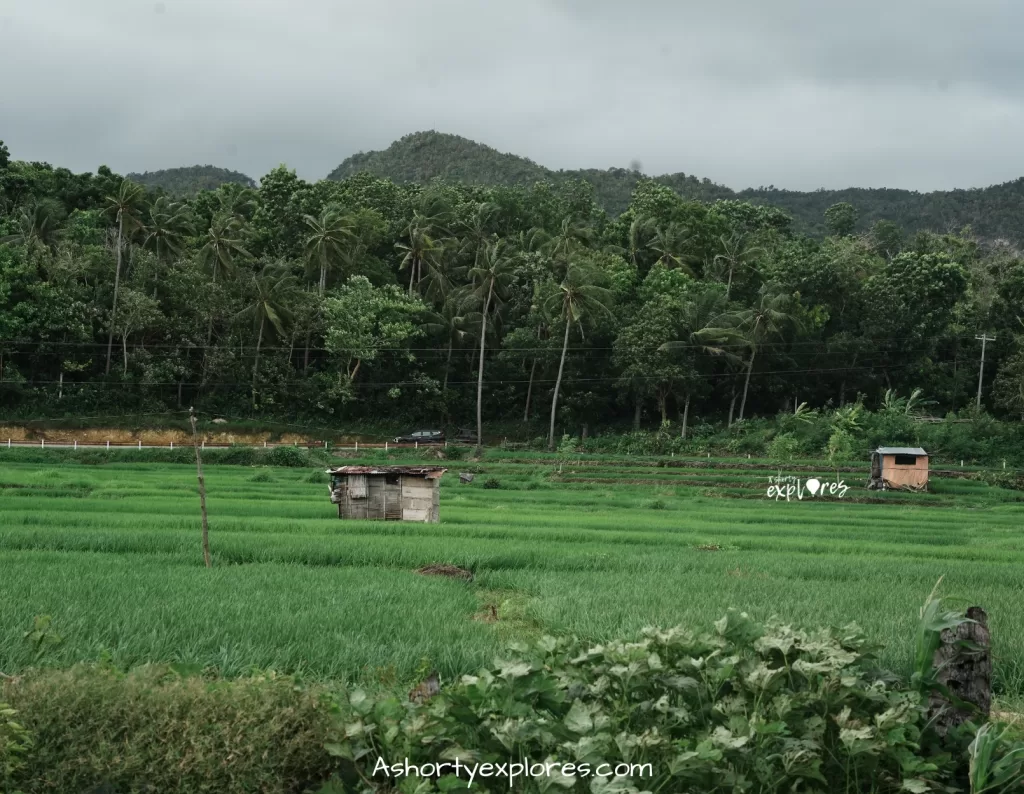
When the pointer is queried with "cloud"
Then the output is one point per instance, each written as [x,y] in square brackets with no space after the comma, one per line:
[921,94]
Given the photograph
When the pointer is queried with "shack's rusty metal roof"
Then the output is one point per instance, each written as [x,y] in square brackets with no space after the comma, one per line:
[427,472]
[902,451]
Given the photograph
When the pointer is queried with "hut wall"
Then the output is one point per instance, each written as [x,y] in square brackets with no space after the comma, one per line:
[387,497]
[915,476]
[417,499]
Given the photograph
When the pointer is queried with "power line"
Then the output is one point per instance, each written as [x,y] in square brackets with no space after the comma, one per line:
[502,382]
[444,348]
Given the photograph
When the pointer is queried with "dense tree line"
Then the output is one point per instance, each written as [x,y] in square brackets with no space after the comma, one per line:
[187,182]
[361,298]
[995,212]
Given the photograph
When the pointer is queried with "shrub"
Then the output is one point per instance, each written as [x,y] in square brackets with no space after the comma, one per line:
[291,457]
[492,482]
[262,476]
[774,707]
[93,727]
[316,476]
[454,453]
[234,456]
[783,447]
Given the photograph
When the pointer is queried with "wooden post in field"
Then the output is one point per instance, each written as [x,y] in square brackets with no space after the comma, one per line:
[964,662]
[202,488]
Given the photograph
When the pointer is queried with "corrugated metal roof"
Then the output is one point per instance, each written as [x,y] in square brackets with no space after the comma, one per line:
[902,451]
[429,472]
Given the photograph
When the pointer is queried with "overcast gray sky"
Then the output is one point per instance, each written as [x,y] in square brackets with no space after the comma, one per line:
[920,94]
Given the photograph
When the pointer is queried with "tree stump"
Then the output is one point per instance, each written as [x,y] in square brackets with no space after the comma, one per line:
[964,663]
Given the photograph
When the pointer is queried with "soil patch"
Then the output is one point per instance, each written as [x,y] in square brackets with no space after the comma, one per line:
[451,571]
[489,614]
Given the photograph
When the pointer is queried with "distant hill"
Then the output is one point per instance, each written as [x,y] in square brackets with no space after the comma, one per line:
[188,181]
[993,212]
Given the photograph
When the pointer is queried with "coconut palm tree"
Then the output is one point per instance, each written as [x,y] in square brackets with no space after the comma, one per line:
[329,237]
[489,279]
[449,321]
[641,230]
[269,311]
[577,296]
[123,206]
[37,225]
[769,318]
[698,312]
[420,246]
[572,235]
[223,244]
[670,243]
[478,230]
[736,253]
[169,223]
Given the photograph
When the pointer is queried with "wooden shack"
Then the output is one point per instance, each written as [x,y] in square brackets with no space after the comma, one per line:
[899,469]
[387,493]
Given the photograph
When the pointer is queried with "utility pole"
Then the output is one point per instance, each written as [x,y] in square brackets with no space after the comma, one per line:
[981,370]
[202,488]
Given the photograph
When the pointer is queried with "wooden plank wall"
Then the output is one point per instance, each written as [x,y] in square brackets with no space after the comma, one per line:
[408,499]
[417,499]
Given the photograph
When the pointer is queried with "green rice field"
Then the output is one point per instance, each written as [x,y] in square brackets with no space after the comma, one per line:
[596,548]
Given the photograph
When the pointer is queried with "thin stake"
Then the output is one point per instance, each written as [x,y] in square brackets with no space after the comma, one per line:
[202,488]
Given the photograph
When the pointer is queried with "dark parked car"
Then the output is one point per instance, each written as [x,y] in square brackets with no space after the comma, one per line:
[422,437]
[466,436]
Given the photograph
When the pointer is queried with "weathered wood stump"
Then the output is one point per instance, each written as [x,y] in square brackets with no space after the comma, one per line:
[875,482]
[964,663]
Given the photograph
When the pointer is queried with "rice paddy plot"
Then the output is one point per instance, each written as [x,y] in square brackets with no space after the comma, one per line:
[111,553]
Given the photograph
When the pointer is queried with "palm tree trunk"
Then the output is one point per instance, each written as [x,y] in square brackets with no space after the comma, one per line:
[732,403]
[529,392]
[558,383]
[480,372]
[124,347]
[746,382]
[117,287]
[412,275]
[663,406]
[60,386]
[256,363]
[209,325]
[447,366]
[686,416]
[728,287]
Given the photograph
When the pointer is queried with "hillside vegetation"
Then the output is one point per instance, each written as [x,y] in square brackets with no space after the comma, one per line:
[365,300]
[994,212]
[188,181]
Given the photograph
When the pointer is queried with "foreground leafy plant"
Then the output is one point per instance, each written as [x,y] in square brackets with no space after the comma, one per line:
[15,743]
[745,708]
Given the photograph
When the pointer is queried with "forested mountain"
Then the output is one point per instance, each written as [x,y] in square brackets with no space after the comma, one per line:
[993,213]
[359,298]
[186,182]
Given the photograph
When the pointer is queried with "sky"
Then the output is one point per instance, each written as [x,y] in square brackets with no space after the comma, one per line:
[799,94]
